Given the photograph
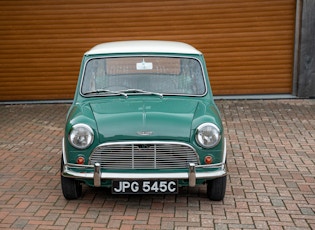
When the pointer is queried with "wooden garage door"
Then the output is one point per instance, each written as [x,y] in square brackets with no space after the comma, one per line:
[248,44]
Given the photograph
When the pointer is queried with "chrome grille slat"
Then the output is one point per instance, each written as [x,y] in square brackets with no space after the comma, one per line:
[144,155]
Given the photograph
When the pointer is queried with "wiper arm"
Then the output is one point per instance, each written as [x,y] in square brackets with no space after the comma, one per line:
[106,91]
[141,91]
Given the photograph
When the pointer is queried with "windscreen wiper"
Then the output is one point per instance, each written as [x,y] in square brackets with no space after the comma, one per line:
[106,91]
[141,91]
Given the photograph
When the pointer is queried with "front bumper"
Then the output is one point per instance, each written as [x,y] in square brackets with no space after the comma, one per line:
[191,175]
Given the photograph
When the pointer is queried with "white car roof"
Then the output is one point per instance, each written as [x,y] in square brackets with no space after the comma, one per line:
[143,46]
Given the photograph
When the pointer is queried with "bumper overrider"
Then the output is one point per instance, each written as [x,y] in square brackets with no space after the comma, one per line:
[191,175]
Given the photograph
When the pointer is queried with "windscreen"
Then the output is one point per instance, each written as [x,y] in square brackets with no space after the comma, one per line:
[165,75]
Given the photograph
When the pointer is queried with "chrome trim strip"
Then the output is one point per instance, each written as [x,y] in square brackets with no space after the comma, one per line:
[145,142]
[224,152]
[63,152]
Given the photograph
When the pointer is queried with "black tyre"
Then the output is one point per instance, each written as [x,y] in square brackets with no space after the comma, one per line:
[71,188]
[216,188]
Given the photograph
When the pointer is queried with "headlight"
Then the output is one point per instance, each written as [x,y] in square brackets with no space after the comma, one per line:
[81,136]
[208,135]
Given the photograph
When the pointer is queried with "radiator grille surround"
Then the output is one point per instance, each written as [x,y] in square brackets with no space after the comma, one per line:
[144,155]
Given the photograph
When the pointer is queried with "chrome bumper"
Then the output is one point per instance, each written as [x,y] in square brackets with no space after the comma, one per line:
[192,175]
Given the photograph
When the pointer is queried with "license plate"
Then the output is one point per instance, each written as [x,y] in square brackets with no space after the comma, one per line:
[144,186]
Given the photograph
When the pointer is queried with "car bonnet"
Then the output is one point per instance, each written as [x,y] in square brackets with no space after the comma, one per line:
[150,119]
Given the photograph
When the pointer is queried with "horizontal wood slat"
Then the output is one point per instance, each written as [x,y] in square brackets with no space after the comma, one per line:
[248,44]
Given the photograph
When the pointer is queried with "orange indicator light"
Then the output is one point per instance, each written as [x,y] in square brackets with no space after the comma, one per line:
[80,160]
[208,159]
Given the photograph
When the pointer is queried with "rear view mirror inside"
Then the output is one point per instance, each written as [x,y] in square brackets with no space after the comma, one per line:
[144,65]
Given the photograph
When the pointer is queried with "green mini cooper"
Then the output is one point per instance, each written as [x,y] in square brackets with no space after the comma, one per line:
[143,121]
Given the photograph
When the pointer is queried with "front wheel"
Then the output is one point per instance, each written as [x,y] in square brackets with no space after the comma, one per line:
[216,188]
[71,188]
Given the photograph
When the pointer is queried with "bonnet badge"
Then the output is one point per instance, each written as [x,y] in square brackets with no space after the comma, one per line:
[144,133]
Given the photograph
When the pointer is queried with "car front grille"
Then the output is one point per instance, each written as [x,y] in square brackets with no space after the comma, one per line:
[144,155]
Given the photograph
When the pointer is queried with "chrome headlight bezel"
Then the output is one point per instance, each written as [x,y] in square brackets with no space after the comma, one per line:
[81,136]
[207,135]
